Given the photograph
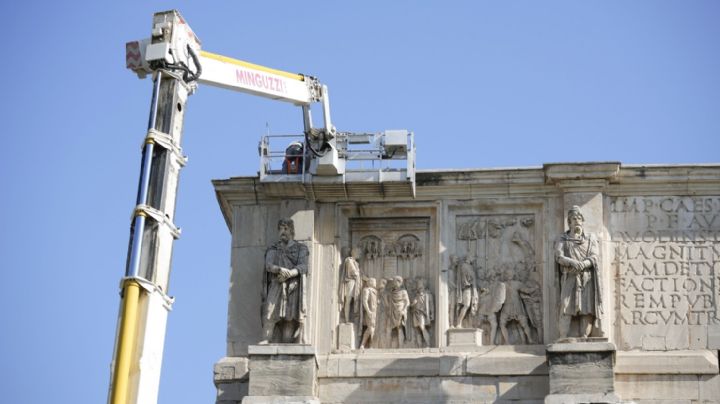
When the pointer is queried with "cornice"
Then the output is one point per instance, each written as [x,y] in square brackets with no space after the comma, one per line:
[550,180]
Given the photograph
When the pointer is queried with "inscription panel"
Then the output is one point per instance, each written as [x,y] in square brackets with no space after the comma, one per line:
[666,258]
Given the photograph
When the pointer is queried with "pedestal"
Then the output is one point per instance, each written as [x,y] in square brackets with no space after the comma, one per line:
[581,372]
[468,337]
[346,337]
[282,373]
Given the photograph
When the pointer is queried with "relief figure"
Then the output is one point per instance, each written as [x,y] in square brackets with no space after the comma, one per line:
[452,289]
[351,285]
[465,289]
[531,295]
[423,309]
[513,308]
[397,316]
[372,248]
[490,300]
[369,312]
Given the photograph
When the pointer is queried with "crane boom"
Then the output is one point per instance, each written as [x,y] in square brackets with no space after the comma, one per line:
[238,75]
[174,59]
[226,72]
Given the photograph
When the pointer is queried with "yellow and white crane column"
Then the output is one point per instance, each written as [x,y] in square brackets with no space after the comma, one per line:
[144,288]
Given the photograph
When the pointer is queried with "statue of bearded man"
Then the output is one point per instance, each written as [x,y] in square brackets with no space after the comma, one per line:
[577,257]
[284,286]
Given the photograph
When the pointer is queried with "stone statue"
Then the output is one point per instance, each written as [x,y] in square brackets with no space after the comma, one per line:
[283,287]
[576,254]
[465,290]
[513,308]
[369,312]
[423,309]
[397,316]
[351,284]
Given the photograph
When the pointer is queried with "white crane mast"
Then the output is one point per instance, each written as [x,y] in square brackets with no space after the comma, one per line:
[177,64]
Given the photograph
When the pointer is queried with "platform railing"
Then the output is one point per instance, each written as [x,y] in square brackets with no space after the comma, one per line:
[368,157]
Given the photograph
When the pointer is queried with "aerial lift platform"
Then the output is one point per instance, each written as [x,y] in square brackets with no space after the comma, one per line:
[321,163]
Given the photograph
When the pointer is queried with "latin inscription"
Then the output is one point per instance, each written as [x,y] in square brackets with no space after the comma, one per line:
[667,259]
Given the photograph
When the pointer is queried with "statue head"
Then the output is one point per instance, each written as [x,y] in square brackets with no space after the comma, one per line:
[494,228]
[370,282]
[286,229]
[575,219]
[508,274]
[397,281]
[420,284]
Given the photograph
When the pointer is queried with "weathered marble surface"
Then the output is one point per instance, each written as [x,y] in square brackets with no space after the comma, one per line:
[391,248]
[492,374]
[699,362]
[282,370]
[467,337]
[346,337]
[280,400]
[658,233]
[581,372]
[230,376]
[496,284]
[512,373]
[667,259]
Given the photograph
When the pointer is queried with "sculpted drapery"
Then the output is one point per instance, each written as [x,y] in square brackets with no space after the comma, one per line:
[284,286]
[577,258]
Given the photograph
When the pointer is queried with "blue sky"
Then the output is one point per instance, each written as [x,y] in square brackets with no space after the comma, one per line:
[482,84]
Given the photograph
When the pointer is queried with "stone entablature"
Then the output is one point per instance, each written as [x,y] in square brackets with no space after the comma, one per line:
[481,249]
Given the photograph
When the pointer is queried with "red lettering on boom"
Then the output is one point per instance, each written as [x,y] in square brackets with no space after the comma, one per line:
[260,81]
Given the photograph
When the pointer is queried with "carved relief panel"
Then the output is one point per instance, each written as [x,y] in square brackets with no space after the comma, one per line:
[495,282]
[396,276]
